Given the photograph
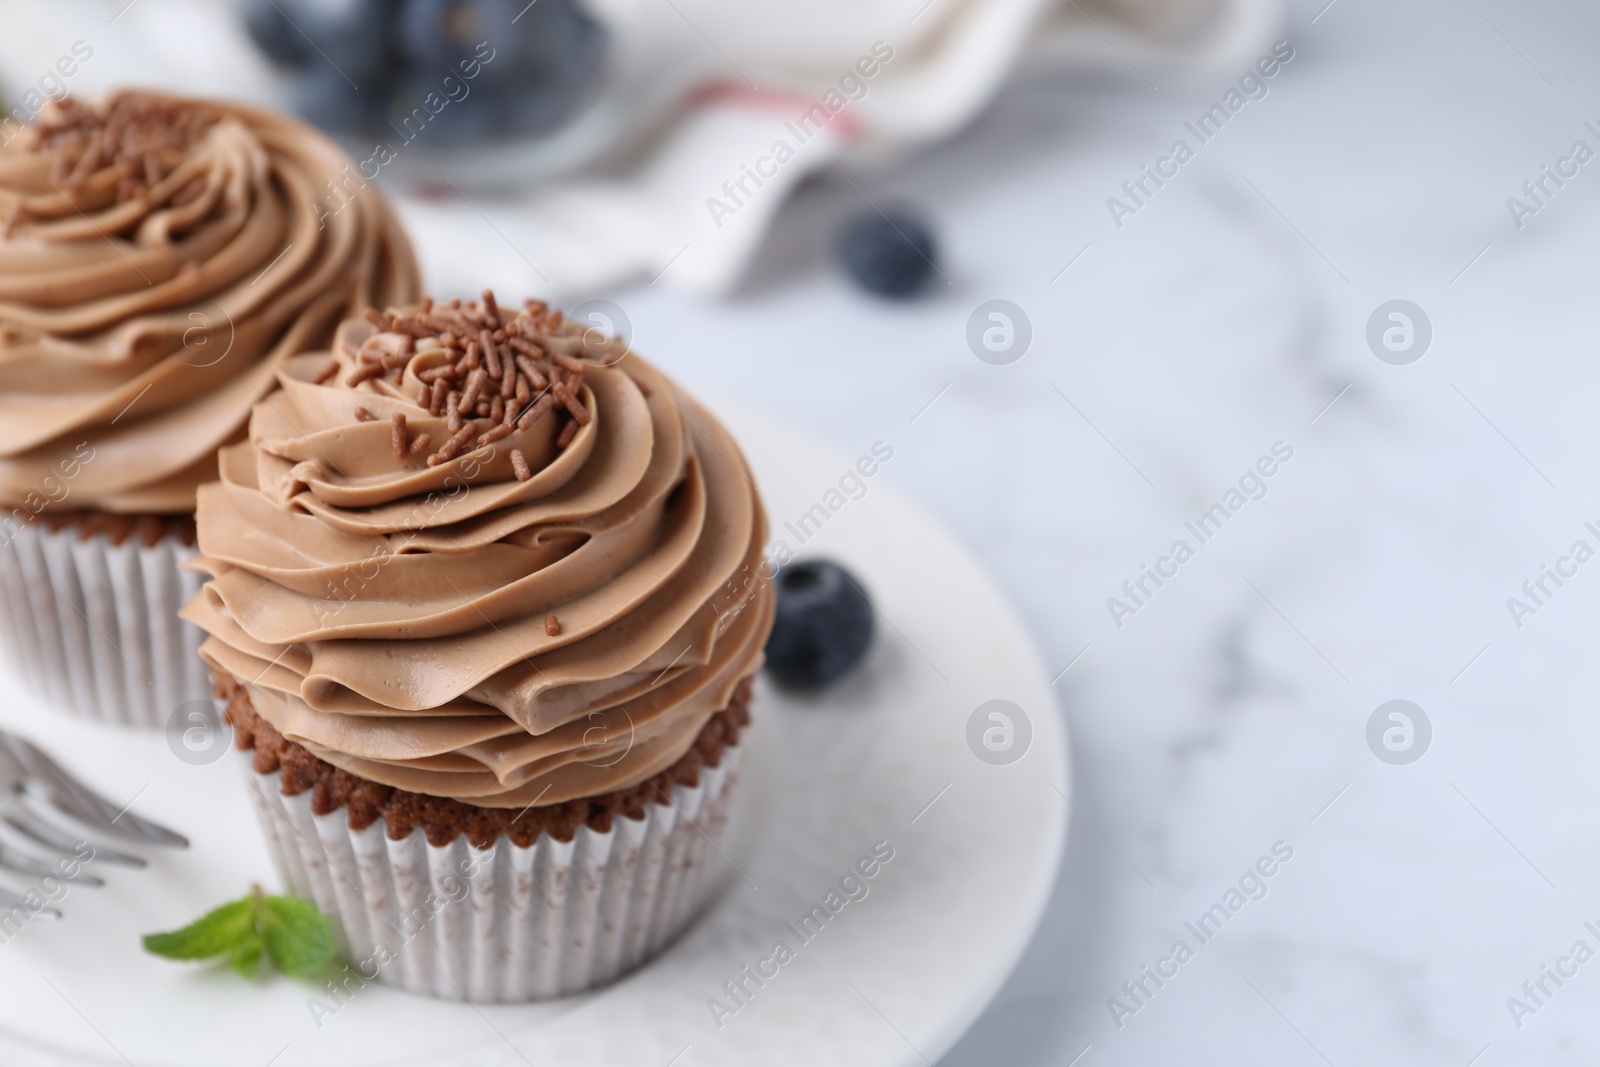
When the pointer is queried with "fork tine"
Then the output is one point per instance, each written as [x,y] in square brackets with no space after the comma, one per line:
[32,825]
[71,797]
[19,862]
[9,901]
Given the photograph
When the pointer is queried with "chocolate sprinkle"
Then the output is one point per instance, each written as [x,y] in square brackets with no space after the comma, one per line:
[509,370]
[142,137]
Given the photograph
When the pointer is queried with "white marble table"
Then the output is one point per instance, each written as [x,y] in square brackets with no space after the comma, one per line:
[1230,711]
[1228,715]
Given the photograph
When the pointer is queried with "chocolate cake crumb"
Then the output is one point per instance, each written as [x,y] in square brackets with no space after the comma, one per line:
[443,819]
[552,626]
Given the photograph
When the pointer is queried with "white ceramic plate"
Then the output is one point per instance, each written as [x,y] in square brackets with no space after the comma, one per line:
[892,979]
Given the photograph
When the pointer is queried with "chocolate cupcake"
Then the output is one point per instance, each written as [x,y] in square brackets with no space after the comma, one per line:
[487,602]
[160,260]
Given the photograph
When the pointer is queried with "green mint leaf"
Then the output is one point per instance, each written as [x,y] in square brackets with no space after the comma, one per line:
[213,934]
[290,931]
[299,938]
[246,954]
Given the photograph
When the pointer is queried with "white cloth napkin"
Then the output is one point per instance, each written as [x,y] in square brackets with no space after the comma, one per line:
[664,214]
[696,98]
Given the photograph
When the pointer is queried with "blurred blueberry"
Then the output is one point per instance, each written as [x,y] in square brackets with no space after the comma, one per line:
[550,33]
[891,255]
[440,33]
[274,33]
[558,36]
[368,66]
[478,110]
[823,626]
[546,54]
[324,98]
[562,61]
[356,37]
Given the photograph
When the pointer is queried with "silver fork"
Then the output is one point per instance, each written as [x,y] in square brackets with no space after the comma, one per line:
[37,798]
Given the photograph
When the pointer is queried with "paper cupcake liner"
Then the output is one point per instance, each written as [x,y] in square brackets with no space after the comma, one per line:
[94,625]
[509,923]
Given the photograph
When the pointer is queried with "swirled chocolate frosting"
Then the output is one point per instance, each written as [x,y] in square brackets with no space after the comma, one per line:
[484,555]
[160,259]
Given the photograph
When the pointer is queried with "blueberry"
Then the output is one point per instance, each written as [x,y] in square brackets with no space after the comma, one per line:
[484,113]
[482,109]
[527,38]
[440,33]
[891,255]
[561,52]
[557,37]
[355,37]
[823,627]
[274,33]
[545,58]
[324,98]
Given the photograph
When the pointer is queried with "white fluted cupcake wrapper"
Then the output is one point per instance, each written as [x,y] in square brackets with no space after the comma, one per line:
[507,924]
[94,625]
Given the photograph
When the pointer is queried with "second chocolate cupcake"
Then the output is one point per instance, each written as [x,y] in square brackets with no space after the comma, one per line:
[160,258]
